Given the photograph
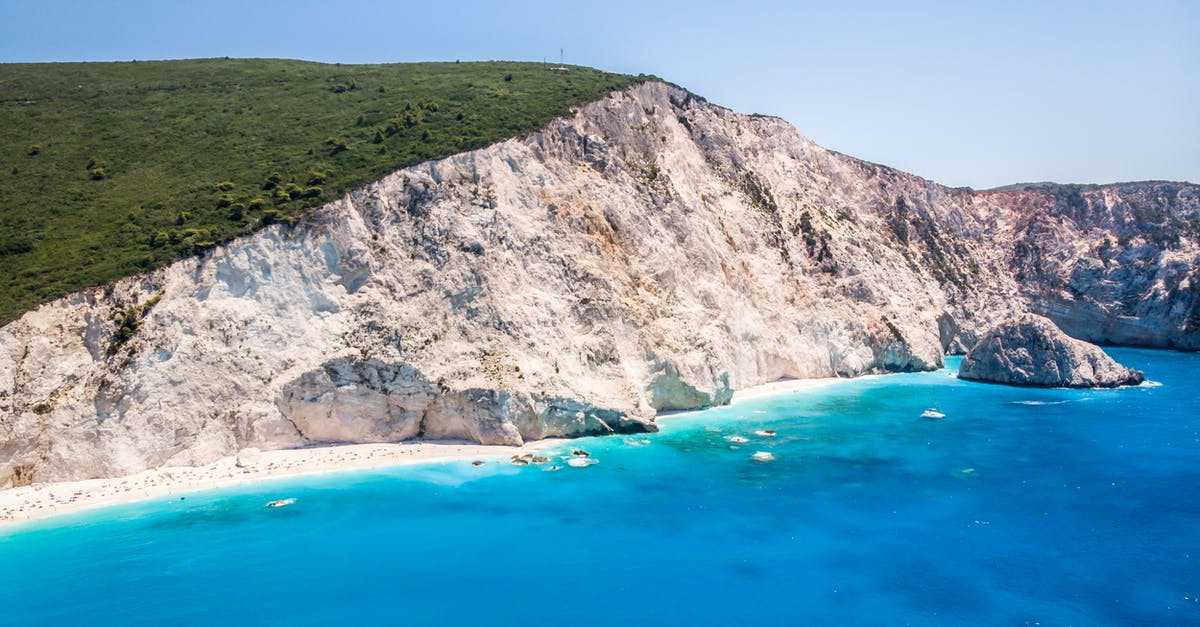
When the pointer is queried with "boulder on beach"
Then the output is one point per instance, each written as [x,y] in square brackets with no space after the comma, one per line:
[248,457]
[1030,350]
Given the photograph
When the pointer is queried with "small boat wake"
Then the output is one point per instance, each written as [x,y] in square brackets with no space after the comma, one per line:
[1039,403]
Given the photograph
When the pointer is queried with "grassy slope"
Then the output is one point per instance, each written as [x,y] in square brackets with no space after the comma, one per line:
[165,134]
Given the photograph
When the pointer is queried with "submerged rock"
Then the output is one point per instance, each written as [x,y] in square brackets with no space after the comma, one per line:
[1030,350]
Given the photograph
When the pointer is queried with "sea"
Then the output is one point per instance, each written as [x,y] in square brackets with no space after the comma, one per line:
[837,505]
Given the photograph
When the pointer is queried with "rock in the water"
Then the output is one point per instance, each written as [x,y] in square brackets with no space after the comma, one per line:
[248,457]
[1030,350]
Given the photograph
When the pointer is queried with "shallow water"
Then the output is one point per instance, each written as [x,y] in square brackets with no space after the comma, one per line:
[1020,506]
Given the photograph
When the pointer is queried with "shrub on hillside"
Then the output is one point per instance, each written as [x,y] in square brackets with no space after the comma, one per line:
[336,145]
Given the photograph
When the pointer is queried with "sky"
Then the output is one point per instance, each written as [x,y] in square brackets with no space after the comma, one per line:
[975,94]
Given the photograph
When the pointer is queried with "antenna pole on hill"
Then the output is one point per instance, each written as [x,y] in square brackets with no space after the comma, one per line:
[560,56]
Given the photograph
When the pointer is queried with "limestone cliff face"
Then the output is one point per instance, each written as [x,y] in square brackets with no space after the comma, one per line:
[652,252]
[1029,350]
[1115,264]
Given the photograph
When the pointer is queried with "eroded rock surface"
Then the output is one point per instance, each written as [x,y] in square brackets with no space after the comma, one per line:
[650,252]
[1029,350]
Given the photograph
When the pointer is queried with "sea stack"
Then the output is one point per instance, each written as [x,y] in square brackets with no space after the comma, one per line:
[1030,350]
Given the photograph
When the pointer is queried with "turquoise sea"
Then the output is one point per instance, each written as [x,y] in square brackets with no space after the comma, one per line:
[1021,506]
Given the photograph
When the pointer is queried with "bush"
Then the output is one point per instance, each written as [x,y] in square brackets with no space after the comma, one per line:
[225,186]
[312,191]
[336,145]
[237,211]
[508,78]
[257,203]
[315,177]
[293,191]
[378,139]
[224,200]
[272,180]
[33,149]
[271,216]
[97,174]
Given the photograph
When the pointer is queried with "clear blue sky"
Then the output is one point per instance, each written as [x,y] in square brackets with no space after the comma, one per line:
[965,93]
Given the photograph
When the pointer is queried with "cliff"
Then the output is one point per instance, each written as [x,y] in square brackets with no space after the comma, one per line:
[651,252]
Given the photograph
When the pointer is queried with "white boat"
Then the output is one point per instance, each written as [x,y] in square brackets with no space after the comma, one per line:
[932,413]
[281,503]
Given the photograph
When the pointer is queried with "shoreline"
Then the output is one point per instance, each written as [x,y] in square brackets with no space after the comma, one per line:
[46,500]
[788,386]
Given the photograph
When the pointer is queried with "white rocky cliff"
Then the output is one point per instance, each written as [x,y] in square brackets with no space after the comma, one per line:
[652,252]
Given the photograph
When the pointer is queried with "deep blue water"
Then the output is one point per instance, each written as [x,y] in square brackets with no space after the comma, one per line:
[1021,506]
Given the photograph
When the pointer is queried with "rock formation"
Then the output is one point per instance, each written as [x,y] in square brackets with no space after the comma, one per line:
[1029,350]
[650,252]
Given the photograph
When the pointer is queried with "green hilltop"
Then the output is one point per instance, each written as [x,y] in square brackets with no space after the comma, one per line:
[110,169]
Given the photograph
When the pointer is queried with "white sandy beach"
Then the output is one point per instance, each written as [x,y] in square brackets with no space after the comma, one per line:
[785,386]
[51,499]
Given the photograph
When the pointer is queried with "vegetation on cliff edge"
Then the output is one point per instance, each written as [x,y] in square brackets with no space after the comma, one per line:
[109,169]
